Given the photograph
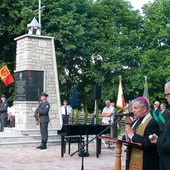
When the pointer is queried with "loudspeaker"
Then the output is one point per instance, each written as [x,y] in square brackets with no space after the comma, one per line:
[97,92]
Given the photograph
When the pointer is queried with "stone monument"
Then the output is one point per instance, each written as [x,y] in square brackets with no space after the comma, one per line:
[36,71]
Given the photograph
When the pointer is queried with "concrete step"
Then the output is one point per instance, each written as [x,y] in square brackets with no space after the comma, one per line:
[12,137]
[26,132]
[26,143]
[26,138]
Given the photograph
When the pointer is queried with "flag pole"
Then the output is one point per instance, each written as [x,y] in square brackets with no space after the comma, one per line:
[95,108]
[145,79]
[145,92]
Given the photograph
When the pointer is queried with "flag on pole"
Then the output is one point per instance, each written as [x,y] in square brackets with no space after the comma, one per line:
[121,102]
[120,98]
[6,76]
[145,92]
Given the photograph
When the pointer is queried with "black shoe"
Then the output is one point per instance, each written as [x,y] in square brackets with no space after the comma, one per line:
[43,147]
[39,147]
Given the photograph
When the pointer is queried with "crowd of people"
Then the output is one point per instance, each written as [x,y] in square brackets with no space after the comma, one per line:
[149,128]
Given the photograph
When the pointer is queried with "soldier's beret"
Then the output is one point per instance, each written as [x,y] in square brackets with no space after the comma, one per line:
[2,95]
[44,94]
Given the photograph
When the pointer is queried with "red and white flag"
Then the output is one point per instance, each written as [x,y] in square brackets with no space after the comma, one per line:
[121,102]
[120,98]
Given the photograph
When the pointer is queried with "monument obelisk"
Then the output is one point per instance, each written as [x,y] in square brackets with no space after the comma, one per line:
[36,72]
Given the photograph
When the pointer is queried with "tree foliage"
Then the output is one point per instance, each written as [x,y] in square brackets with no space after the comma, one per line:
[96,41]
[13,23]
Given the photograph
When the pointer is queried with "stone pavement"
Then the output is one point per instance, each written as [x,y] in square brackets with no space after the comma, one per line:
[29,158]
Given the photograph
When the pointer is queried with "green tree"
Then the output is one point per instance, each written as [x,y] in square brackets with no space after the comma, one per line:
[84,30]
[66,21]
[96,41]
[14,16]
[155,55]
[116,39]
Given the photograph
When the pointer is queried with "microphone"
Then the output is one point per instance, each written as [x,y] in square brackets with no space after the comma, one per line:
[151,137]
[124,114]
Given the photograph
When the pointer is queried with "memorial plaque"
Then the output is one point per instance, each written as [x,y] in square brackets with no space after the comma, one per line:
[28,85]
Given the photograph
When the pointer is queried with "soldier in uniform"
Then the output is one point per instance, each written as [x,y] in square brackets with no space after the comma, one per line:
[42,115]
[3,112]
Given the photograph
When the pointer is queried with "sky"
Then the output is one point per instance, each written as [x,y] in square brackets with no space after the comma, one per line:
[137,4]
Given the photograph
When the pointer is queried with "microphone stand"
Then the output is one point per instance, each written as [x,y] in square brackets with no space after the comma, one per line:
[82,147]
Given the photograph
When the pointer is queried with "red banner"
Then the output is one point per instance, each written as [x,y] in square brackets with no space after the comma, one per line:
[6,76]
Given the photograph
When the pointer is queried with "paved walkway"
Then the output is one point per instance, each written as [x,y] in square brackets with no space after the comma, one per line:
[29,158]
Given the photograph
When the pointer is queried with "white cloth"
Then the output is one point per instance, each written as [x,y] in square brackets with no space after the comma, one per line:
[11,110]
[110,119]
[68,110]
[143,121]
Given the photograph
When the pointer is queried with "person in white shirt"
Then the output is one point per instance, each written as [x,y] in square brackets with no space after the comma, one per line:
[108,113]
[108,116]
[11,115]
[66,111]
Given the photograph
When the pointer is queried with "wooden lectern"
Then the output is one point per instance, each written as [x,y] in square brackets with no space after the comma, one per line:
[119,143]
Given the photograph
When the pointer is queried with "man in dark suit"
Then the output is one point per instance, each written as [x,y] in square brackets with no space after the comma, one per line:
[163,117]
[3,112]
[42,115]
[163,141]
[156,109]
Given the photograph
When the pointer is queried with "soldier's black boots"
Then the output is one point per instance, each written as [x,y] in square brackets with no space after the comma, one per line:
[44,146]
[39,147]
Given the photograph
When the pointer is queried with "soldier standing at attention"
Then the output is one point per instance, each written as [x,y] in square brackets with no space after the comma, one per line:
[42,115]
[3,112]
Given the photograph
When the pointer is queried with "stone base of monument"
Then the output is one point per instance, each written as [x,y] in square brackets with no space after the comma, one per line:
[26,137]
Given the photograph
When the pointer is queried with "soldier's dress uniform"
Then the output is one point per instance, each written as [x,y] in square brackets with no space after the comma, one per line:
[43,112]
[3,113]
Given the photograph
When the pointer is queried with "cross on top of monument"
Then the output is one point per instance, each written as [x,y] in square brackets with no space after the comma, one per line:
[34,26]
